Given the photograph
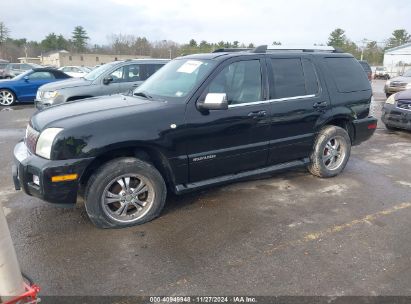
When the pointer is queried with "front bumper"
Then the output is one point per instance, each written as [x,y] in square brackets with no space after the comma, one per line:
[27,165]
[363,129]
[396,117]
[393,90]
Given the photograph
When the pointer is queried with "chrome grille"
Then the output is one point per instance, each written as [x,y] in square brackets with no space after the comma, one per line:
[404,104]
[31,138]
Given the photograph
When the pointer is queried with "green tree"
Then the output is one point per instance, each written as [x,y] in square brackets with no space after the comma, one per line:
[80,38]
[192,43]
[4,32]
[398,38]
[337,38]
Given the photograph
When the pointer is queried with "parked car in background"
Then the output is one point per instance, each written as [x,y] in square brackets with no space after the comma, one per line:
[75,71]
[398,84]
[23,88]
[396,112]
[15,69]
[381,73]
[111,78]
[366,68]
[3,65]
[201,120]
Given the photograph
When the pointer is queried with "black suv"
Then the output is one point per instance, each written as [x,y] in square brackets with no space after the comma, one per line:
[201,120]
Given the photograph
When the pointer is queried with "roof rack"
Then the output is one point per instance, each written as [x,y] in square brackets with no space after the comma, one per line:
[229,50]
[265,49]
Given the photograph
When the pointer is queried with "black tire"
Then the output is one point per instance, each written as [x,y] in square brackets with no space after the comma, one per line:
[107,175]
[318,165]
[11,98]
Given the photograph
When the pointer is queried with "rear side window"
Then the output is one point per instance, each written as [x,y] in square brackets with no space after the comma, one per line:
[294,77]
[348,74]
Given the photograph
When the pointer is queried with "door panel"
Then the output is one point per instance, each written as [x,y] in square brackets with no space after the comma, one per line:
[297,104]
[229,141]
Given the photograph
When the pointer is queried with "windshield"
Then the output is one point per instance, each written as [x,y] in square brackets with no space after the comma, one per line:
[176,79]
[407,73]
[94,74]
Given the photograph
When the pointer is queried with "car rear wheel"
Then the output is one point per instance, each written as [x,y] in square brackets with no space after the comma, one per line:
[125,192]
[7,97]
[390,128]
[331,152]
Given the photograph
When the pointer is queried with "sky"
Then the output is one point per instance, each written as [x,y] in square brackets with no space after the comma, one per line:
[291,22]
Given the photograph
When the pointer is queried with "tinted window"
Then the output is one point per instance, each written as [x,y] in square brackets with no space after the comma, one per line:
[41,75]
[241,81]
[311,78]
[348,74]
[149,69]
[288,77]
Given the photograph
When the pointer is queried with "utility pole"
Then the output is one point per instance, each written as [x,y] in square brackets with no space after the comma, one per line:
[11,280]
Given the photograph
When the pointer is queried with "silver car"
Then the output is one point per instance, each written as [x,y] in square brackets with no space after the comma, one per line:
[398,84]
[111,78]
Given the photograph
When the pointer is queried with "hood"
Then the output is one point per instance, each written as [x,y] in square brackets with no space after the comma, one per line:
[83,112]
[403,94]
[65,84]
[401,79]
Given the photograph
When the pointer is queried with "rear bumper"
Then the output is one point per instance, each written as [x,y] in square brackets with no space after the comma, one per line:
[395,117]
[27,166]
[364,129]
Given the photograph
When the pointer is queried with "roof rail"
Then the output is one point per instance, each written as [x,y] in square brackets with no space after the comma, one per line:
[314,48]
[229,50]
[266,49]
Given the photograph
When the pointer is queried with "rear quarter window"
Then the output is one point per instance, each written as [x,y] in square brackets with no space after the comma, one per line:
[347,74]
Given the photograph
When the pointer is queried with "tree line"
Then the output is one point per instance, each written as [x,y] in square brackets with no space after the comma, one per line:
[121,44]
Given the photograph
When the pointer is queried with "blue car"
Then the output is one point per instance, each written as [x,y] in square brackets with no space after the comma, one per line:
[23,88]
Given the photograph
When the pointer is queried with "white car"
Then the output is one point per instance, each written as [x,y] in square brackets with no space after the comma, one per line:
[75,71]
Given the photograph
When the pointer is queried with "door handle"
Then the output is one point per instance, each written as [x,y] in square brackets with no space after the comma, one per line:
[320,105]
[257,114]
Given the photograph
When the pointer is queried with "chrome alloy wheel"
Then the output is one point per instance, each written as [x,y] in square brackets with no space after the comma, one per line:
[128,198]
[6,98]
[334,153]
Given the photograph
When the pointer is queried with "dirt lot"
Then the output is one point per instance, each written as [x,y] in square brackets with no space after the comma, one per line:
[287,234]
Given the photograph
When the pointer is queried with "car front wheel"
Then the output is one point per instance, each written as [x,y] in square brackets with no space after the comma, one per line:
[7,97]
[125,192]
[331,152]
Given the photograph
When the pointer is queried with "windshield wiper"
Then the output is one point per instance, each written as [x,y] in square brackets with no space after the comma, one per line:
[144,95]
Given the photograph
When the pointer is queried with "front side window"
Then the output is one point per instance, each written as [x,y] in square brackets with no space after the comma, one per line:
[41,75]
[176,79]
[240,81]
[118,75]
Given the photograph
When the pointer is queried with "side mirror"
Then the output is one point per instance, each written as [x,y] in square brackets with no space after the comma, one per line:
[214,101]
[107,80]
[26,78]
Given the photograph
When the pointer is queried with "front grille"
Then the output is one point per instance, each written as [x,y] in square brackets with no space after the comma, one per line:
[31,138]
[404,104]
[397,84]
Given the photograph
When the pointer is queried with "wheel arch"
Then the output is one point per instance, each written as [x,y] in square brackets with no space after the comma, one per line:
[144,153]
[342,121]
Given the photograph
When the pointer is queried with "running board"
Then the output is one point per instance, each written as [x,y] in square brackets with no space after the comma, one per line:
[183,188]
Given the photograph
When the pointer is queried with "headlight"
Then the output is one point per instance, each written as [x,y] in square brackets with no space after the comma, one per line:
[45,142]
[50,94]
[408,86]
[391,99]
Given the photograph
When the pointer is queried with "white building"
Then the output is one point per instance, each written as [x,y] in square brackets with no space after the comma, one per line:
[398,59]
